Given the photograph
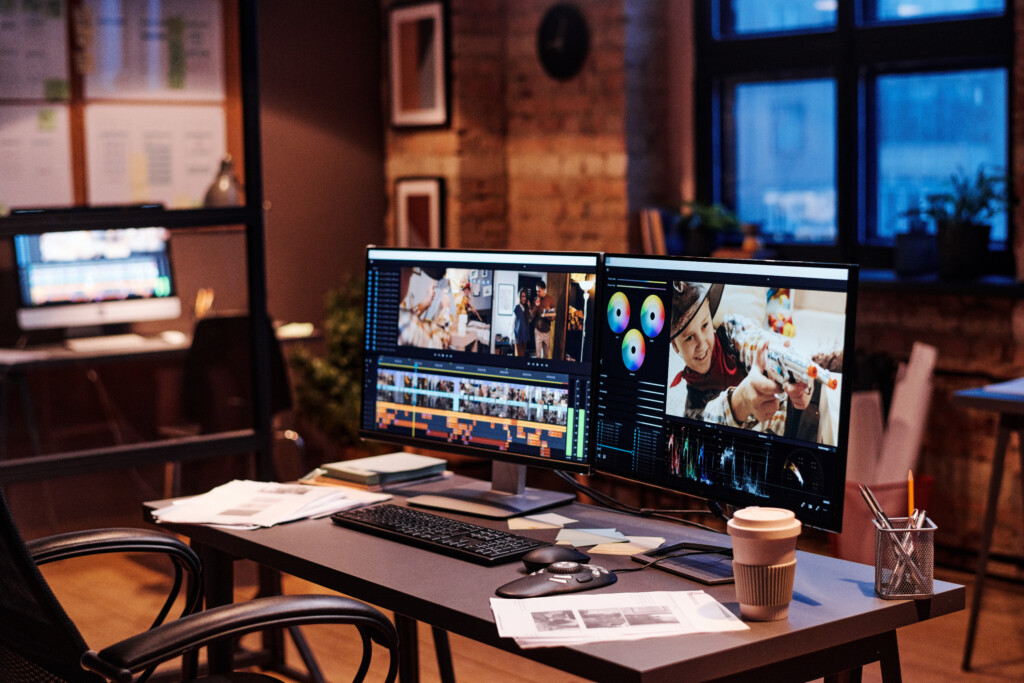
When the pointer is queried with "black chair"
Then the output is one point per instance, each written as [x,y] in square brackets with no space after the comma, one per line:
[39,642]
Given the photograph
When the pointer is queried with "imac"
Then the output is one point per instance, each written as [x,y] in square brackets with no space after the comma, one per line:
[486,353]
[724,379]
[84,280]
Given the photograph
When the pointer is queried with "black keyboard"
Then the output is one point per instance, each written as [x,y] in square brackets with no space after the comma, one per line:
[463,540]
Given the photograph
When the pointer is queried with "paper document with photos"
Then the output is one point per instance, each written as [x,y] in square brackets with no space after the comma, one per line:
[594,618]
[255,504]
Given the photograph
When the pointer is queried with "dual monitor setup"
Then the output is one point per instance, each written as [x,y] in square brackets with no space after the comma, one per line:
[720,379]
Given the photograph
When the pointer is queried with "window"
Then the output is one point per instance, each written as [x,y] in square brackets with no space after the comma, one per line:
[824,121]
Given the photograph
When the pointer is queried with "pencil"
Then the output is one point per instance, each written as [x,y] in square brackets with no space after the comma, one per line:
[910,493]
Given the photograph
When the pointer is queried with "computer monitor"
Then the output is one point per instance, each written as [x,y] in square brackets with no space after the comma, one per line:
[88,280]
[486,353]
[724,379]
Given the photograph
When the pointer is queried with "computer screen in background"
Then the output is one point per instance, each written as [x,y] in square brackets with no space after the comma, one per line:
[88,280]
[486,353]
[677,404]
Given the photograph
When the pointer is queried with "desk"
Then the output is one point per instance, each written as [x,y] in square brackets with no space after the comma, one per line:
[16,363]
[1006,399]
[836,623]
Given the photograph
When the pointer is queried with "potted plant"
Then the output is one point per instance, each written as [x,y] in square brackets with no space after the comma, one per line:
[962,216]
[328,390]
[705,224]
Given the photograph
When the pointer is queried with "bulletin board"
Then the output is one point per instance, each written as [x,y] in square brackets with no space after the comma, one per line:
[117,103]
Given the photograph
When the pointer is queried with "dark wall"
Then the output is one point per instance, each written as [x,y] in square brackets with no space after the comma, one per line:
[323,146]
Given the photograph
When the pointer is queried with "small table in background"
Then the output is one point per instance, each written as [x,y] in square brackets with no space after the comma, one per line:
[1007,399]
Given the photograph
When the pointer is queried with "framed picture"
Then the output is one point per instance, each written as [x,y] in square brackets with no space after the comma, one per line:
[506,297]
[419,212]
[418,44]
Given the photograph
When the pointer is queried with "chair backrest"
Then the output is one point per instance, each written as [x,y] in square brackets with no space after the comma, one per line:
[38,642]
[217,381]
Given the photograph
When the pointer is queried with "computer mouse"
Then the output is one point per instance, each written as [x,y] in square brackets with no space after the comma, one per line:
[556,578]
[549,554]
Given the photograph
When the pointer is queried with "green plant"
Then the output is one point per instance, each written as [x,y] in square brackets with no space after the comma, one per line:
[328,389]
[972,199]
[714,217]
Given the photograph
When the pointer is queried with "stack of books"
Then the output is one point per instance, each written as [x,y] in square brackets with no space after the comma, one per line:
[379,471]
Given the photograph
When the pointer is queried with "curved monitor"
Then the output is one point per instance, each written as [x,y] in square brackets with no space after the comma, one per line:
[89,278]
[486,353]
[724,380]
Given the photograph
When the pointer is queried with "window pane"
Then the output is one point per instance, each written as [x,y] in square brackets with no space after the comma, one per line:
[917,9]
[931,126]
[760,16]
[785,159]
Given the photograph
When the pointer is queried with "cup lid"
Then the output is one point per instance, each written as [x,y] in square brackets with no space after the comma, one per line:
[764,522]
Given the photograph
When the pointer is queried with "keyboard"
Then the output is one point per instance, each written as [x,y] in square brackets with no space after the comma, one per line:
[110,342]
[452,537]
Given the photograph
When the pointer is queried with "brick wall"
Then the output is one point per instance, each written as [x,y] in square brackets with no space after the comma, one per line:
[536,163]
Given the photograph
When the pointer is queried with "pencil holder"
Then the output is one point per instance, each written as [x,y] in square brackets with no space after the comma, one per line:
[904,560]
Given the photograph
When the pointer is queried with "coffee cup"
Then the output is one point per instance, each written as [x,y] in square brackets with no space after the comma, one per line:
[764,561]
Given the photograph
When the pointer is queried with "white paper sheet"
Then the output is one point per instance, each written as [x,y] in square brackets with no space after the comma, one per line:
[153,153]
[254,504]
[598,617]
[35,156]
[34,51]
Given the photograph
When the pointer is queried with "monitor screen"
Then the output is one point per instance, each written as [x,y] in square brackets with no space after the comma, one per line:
[85,278]
[481,352]
[724,379]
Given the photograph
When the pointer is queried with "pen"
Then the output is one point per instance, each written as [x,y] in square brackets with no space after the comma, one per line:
[910,493]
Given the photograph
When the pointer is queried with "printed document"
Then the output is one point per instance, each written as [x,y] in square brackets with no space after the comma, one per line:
[254,504]
[593,618]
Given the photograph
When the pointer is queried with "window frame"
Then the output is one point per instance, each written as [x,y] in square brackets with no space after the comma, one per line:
[854,52]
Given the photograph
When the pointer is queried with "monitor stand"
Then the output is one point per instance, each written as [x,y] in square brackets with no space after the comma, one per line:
[506,495]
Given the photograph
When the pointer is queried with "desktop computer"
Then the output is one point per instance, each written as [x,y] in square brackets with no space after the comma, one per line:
[88,282]
[724,380]
[486,353]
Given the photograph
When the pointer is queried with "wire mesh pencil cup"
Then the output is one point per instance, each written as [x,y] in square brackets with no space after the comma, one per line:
[904,559]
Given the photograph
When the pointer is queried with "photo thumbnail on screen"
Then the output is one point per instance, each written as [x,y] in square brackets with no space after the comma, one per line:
[758,358]
[522,313]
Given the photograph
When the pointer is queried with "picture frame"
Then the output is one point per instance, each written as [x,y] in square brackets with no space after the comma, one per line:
[419,212]
[506,297]
[418,52]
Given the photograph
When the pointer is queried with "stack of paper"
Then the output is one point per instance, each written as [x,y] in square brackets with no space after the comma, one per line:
[598,617]
[254,504]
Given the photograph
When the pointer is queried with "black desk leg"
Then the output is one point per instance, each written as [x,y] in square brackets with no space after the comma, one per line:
[444,655]
[219,586]
[994,484]
[408,651]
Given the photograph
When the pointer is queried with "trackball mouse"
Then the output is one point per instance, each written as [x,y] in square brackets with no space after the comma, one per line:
[549,554]
[556,578]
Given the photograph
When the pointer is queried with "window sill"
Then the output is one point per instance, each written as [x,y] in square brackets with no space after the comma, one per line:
[986,285]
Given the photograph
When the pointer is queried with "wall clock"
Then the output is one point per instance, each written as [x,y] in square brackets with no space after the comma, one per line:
[563,41]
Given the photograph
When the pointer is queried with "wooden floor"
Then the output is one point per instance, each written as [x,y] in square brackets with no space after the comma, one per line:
[930,651]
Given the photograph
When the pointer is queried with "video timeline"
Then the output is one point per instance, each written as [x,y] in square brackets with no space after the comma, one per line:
[475,409]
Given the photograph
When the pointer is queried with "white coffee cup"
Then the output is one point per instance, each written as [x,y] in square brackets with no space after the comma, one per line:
[764,560]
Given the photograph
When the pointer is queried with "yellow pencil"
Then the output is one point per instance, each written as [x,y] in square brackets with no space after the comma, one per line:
[910,493]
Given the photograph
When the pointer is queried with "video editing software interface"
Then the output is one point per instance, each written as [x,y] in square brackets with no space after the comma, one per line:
[93,266]
[724,380]
[484,352]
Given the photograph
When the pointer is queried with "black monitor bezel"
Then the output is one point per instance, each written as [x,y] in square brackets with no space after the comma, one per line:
[463,449]
[836,522]
[23,295]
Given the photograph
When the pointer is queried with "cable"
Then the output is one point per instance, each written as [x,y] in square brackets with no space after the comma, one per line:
[615,504]
[669,557]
